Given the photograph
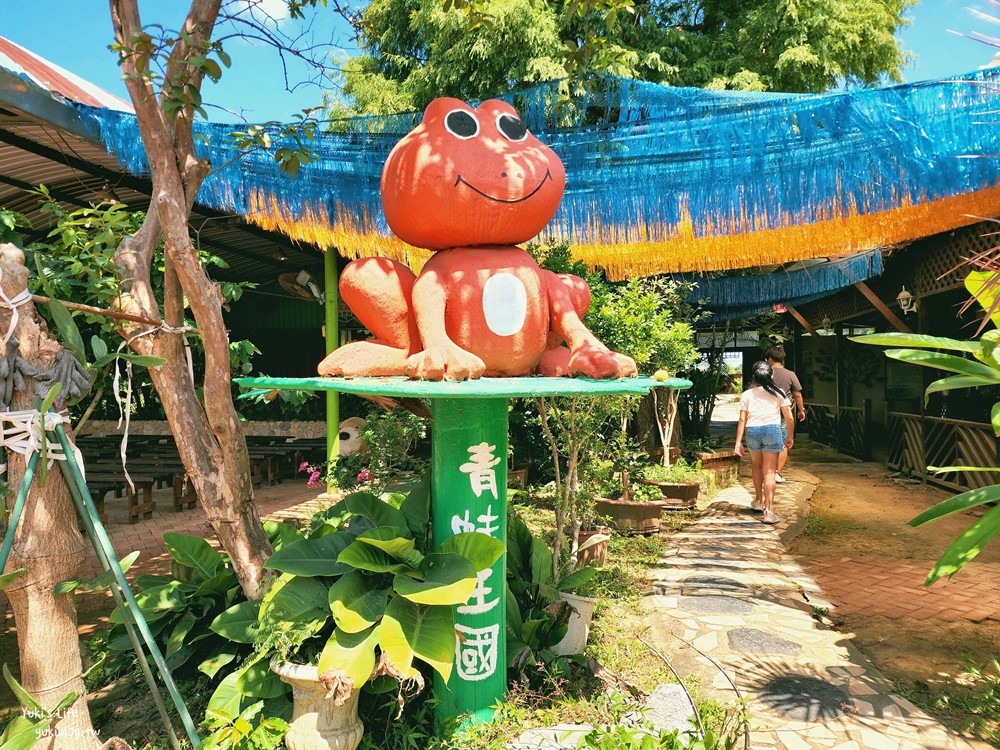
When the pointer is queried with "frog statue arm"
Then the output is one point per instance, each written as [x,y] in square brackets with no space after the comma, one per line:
[441,358]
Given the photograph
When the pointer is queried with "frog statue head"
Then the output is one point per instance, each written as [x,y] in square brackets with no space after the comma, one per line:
[468,177]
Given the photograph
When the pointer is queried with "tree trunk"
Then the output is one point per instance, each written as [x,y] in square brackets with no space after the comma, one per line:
[209,438]
[50,546]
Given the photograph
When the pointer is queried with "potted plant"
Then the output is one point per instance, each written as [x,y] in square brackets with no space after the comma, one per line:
[389,461]
[678,483]
[547,616]
[362,597]
[632,508]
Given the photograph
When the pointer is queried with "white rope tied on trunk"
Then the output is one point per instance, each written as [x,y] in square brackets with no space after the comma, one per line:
[125,404]
[21,432]
[12,304]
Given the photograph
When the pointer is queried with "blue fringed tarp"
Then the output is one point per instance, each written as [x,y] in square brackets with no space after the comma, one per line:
[741,296]
[664,179]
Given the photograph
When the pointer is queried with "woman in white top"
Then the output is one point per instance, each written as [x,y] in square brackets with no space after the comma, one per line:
[762,407]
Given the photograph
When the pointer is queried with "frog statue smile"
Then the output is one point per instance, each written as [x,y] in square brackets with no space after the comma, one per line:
[469,184]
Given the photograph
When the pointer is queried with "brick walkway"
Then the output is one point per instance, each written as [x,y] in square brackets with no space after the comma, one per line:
[292,498]
[895,588]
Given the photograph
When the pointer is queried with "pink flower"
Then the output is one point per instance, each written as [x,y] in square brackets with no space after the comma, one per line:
[303,466]
[364,475]
[313,477]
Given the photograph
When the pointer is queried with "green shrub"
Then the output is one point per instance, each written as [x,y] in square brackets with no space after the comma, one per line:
[679,471]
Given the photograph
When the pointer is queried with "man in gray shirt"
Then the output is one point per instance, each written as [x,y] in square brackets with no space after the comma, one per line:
[788,382]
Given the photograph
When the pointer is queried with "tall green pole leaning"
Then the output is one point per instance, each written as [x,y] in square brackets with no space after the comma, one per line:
[332,331]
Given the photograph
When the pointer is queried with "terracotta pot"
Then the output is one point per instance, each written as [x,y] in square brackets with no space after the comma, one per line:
[318,723]
[631,517]
[595,555]
[656,454]
[676,495]
[578,627]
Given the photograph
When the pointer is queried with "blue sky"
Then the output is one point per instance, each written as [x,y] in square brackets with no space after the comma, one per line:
[75,33]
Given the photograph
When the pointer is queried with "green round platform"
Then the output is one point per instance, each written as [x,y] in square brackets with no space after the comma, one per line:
[525,387]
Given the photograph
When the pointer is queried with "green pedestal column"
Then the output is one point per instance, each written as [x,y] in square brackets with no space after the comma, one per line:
[469,493]
[331,329]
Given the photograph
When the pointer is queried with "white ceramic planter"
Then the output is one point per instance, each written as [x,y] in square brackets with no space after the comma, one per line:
[318,723]
[578,628]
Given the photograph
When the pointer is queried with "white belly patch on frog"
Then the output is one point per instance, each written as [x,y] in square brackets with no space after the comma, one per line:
[505,304]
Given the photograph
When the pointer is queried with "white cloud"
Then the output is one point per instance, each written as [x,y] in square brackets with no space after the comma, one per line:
[266,11]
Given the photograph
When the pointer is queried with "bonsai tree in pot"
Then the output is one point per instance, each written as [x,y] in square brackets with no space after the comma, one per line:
[363,597]
[631,507]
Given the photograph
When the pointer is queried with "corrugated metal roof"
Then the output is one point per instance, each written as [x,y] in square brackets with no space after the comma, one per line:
[44,142]
[49,76]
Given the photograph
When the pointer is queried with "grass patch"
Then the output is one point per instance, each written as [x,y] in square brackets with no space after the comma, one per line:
[821,527]
[677,520]
[971,704]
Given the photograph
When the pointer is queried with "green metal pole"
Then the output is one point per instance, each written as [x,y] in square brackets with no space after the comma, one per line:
[469,493]
[107,559]
[75,477]
[15,514]
[332,328]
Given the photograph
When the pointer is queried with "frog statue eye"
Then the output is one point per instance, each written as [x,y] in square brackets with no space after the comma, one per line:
[512,128]
[461,124]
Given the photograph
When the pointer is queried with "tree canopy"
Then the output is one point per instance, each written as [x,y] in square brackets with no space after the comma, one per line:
[415,50]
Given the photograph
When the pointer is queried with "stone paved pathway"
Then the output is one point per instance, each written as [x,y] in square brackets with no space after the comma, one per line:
[733,609]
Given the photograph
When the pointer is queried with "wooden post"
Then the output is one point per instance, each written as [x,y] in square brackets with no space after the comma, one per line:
[866,431]
[821,340]
[879,305]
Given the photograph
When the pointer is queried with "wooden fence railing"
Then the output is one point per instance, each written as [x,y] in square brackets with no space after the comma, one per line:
[846,428]
[916,442]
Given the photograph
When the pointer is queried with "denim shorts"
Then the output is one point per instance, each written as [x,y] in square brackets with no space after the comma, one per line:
[765,438]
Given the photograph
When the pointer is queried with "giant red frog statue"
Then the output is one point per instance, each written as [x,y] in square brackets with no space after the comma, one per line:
[469,184]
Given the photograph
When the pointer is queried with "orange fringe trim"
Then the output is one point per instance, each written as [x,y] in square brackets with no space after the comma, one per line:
[349,238]
[626,252]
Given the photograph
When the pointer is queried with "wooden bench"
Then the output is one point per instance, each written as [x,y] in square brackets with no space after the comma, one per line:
[138,497]
[184,494]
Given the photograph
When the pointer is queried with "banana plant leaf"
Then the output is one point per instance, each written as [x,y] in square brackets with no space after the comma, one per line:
[355,605]
[380,513]
[352,653]
[410,631]
[448,579]
[958,503]
[312,557]
[239,623]
[965,548]
[194,552]
[480,549]
[366,557]
[916,341]
[948,362]
[390,540]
